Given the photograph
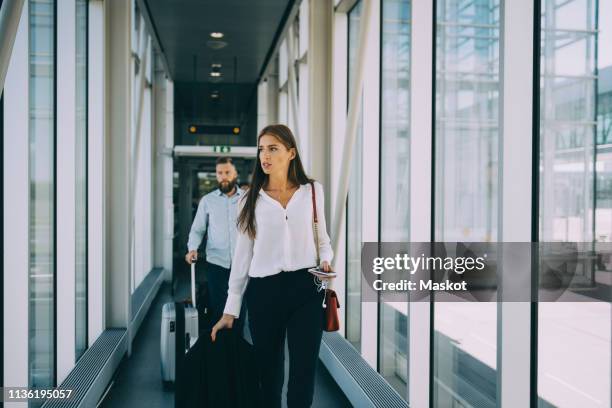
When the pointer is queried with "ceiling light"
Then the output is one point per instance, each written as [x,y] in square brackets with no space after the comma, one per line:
[215,74]
[214,95]
[216,34]
[215,66]
[216,44]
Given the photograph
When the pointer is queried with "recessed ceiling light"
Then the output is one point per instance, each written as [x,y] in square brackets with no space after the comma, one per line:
[215,65]
[215,74]
[216,44]
[214,95]
[216,34]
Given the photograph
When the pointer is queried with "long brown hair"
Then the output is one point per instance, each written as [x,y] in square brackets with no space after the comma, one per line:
[295,174]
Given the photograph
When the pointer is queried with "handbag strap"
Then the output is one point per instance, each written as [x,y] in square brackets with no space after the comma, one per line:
[315,222]
[315,226]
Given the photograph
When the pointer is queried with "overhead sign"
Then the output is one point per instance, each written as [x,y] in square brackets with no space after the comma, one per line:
[213,130]
[248,152]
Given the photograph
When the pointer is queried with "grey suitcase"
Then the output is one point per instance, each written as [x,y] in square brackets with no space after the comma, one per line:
[168,332]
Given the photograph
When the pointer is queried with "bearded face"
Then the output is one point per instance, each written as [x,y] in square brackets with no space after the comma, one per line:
[226,177]
[227,185]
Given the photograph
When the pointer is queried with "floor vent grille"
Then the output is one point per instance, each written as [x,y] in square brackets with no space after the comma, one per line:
[373,386]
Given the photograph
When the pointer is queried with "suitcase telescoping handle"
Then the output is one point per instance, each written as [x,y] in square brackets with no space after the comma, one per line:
[193,291]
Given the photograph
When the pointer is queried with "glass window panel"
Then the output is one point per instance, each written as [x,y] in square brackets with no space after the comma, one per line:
[467,131]
[394,167]
[283,63]
[574,339]
[283,108]
[81,178]
[354,201]
[42,195]
[304,27]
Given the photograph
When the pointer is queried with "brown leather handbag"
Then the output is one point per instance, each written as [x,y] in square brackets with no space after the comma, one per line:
[331,321]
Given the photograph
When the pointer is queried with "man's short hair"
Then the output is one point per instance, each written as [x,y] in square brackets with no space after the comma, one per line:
[224,160]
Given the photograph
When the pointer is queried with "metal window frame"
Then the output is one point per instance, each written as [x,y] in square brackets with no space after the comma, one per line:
[87,343]
[535,195]
[55,195]
[2,224]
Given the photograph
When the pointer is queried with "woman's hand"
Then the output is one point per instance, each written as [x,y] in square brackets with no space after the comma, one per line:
[226,322]
[327,268]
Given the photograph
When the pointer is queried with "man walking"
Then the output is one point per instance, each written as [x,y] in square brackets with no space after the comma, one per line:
[217,212]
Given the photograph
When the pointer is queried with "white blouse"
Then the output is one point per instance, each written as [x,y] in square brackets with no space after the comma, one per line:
[284,241]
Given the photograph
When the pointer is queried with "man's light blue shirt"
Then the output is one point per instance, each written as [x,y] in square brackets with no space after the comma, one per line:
[216,212]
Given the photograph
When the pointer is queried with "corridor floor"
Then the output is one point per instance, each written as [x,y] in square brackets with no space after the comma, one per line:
[137,382]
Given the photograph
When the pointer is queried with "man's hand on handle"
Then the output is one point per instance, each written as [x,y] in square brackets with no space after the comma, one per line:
[226,322]
[191,256]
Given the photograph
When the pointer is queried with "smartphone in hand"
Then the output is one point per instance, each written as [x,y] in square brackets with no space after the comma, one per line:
[321,273]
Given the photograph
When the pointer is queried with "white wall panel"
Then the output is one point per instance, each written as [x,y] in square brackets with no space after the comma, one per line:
[66,188]
[420,192]
[16,212]
[96,184]
[118,131]
[514,318]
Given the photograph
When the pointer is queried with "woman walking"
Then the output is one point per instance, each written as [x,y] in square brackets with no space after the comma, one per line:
[275,247]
